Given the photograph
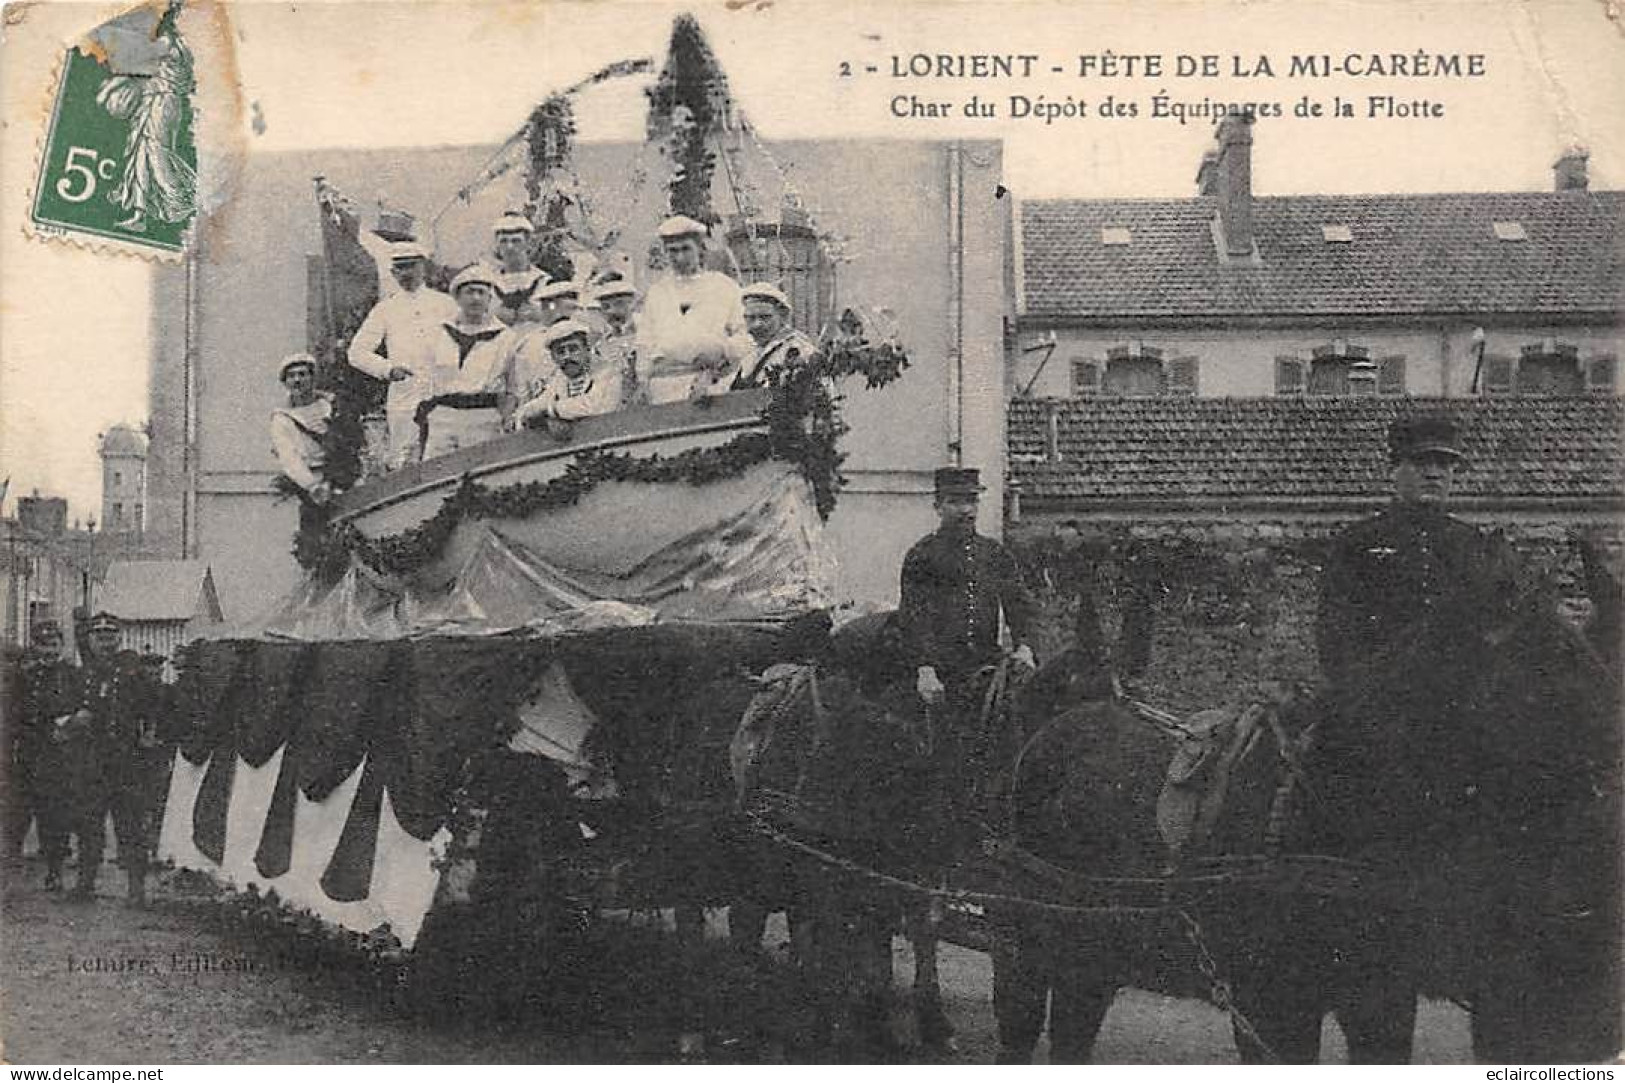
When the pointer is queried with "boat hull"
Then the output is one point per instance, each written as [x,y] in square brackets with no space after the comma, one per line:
[410,496]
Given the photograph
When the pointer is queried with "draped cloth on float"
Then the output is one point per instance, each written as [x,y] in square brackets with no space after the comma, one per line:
[327,771]
[326,742]
[627,554]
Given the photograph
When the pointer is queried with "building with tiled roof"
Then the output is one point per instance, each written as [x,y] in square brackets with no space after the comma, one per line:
[1231,294]
[1202,458]
[1201,391]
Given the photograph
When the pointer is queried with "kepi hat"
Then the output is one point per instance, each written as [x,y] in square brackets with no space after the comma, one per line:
[103,621]
[406,251]
[1418,437]
[957,481]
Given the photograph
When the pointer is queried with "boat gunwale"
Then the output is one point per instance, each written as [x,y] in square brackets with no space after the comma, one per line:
[744,410]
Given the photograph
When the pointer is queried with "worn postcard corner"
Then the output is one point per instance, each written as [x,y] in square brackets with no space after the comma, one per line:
[117,162]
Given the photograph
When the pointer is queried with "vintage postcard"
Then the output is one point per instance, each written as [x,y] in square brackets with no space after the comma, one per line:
[780,532]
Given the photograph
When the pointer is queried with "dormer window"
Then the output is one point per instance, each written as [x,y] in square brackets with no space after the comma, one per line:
[1549,367]
[1509,231]
[1116,236]
[1340,368]
[1333,234]
[1133,369]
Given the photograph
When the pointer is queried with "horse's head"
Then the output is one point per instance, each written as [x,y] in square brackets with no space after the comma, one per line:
[1070,680]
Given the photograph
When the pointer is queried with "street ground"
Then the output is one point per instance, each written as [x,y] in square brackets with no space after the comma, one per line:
[175,983]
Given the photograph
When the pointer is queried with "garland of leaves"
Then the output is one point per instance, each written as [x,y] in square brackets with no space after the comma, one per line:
[550,138]
[285,933]
[804,426]
[683,111]
[404,553]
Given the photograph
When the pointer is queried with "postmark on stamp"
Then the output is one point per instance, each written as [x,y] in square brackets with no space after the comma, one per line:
[118,165]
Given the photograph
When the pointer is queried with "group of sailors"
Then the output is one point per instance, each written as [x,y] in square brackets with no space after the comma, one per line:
[505,349]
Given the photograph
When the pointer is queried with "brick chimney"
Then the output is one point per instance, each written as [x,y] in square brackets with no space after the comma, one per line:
[1569,171]
[1233,184]
[1207,174]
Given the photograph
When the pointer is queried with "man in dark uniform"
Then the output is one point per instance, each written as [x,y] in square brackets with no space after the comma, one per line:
[47,688]
[1413,603]
[958,589]
[1412,569]
[110,745]
[1401,593]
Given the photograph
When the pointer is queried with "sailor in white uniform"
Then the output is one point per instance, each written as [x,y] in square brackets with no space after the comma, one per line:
[471,363]
[517,277]
[396,343]
[577,390]
[780,348]
[299,429]
[557,301]
[692,327]
[617,345]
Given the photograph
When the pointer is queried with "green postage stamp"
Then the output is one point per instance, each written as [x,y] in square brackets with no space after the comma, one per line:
[118,165]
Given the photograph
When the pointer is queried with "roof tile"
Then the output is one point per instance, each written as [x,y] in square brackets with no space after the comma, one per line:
[1411,254]
[1519,448]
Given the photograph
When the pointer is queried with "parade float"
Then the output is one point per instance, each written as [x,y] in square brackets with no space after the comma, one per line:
[511,673]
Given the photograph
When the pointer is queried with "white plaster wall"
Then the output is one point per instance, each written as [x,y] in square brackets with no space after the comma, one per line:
[1240,362]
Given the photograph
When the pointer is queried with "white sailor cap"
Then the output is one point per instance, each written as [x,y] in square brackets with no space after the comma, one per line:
[564,329]
[618,288]
[765,291]
[512,223]
[564,287]
[402,251]
[681,225]
[294,360]
[474,273]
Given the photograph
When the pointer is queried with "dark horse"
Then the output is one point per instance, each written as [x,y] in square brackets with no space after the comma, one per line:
[1476,783]
[840,763]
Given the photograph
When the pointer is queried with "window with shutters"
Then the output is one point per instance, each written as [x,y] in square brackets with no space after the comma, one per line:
[1291,376]
[1134,370]
[1329,376]
[1340,368]
[1391,375]
[1602,374]
[1500,375]
[789,256]
[1182,376]
[1548,368]
[1085,378]
[1134,376]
